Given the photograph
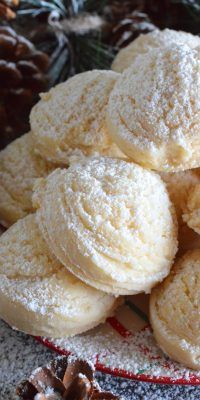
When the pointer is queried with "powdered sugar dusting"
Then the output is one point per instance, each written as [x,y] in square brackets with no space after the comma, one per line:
[167,99]
[20,354]
[79,120]
[135,355]
[112,215]
[47,295]
[49,394]
[149,41]
[155,107]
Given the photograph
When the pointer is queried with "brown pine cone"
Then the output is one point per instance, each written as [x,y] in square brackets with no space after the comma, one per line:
[22,77]
[65,378]
[127,20]
[6,11]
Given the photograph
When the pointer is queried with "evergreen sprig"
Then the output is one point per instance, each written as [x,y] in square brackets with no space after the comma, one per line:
[35,7]
[73,52]
[64,8]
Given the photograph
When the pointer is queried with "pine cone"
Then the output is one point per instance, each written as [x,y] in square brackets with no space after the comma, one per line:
[6,11]
[126,21]
[65,378]
[22,77]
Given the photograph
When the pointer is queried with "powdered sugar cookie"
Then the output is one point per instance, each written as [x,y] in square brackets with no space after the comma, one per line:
[175,311]
[37,294]
[149,41]
[192,212]
[154,109]
[19,168]
[179,186]
[71,118]
[110,222]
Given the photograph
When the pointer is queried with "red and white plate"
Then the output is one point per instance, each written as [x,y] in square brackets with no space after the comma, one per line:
[124,346]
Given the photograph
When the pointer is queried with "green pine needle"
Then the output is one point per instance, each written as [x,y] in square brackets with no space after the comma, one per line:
[80,52]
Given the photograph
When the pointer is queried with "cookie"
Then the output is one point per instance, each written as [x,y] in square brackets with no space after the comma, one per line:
[110,222]
[175,311]
[179,186]
[19,168]
[70,118]
[149,41]
[154,109]
[192,212]
[37,294]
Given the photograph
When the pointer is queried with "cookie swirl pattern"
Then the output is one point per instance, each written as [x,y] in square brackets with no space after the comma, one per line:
[110,222]
[37,294]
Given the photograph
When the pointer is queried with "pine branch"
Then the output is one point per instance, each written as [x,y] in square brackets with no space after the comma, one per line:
[65,8]
[92,54]
[37,7]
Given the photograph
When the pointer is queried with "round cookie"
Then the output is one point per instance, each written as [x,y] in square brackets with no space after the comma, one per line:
[70,118]
[110,222]
[175,311]
[154,109]
[149,41]
[179,185]
[192,212]
[37,294]
[19,168]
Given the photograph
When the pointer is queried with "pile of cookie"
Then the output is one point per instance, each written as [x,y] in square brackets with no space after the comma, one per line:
[102,199]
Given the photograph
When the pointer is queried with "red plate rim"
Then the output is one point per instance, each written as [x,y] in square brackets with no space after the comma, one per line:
[125,374]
